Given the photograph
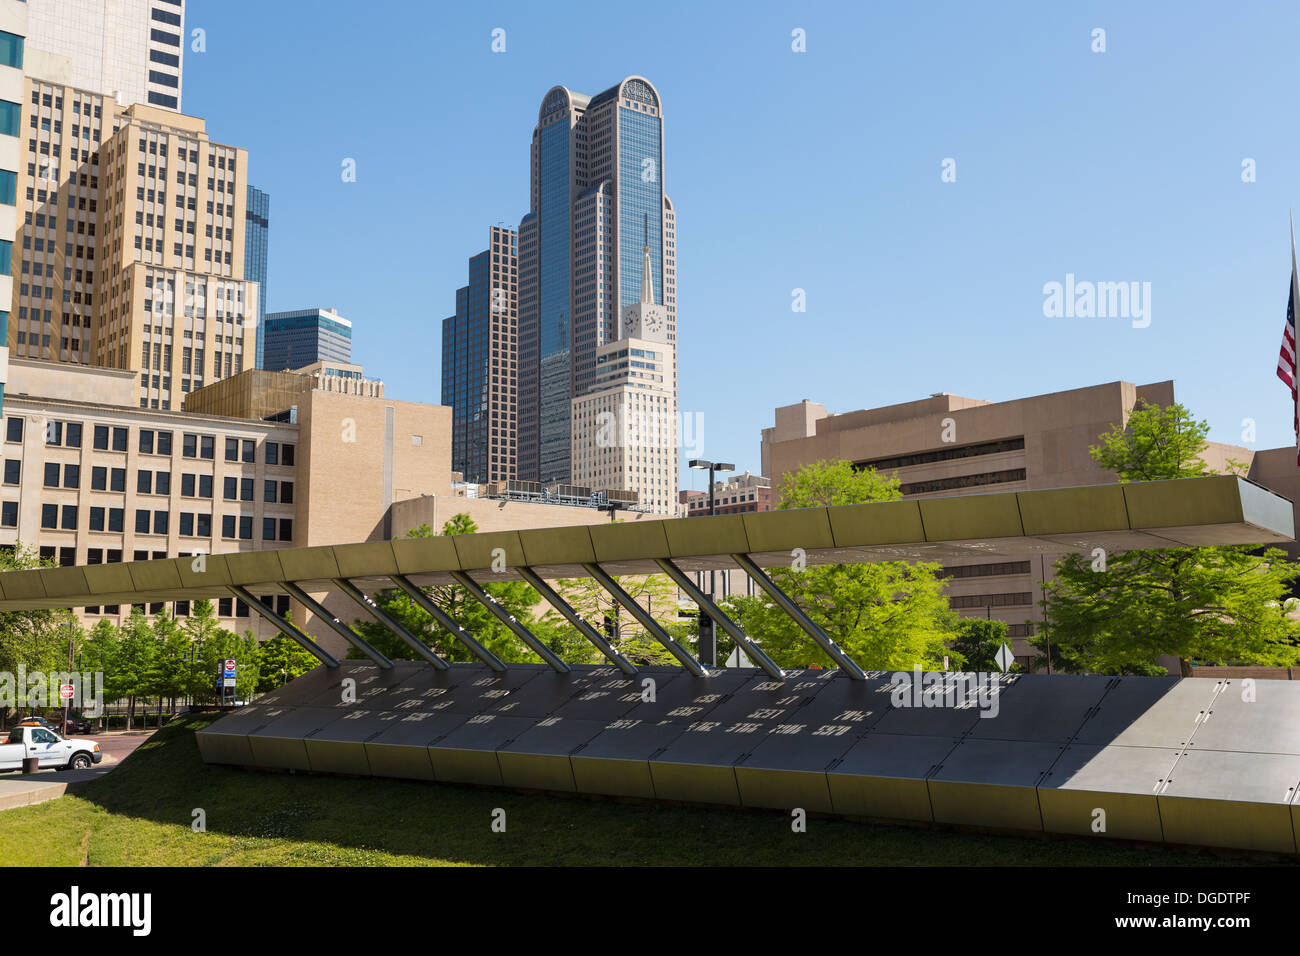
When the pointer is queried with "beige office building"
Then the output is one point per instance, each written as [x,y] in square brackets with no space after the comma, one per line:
[132,244]
[949,445]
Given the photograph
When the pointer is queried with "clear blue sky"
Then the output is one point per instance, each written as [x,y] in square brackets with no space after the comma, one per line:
[818,171]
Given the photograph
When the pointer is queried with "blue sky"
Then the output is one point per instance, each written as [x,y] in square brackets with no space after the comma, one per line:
[819,171]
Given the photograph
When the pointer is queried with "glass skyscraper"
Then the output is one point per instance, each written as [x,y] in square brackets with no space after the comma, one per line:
[597,199]
[257,223]
[478,364]
[296,339]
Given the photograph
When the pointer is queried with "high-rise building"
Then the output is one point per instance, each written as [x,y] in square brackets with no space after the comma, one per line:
[479,364]
[131,51]
[624,425]
[597,198]
[132,244]
[13,33]
[295,339]
[257,225]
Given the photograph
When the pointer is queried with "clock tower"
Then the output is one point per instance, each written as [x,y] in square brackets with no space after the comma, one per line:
[644,319]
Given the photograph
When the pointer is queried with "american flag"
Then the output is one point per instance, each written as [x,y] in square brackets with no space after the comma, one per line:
[1286,362]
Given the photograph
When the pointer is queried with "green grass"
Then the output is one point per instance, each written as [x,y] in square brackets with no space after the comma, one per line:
[140,815]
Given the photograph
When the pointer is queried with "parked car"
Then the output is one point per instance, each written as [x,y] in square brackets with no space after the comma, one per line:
[79,725]
[51,749]
[33,721]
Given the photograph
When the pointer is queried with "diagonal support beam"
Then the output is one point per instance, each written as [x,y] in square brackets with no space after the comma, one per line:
[448,623]
[504,616]
[645,620]
[417,645]
[285,628]
[796,614]
[339,628]
[727,624]
[572,616]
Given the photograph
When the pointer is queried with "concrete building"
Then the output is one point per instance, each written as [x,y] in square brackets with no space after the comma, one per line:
[294,339]
[480,363]
[596,200]
[625,424]
[257,234]
[737,495]
[131,257]
[949,445]
[13,43]
[131,51]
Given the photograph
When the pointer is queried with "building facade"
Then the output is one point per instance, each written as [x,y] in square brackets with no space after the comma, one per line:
[948,445]
[130,254]
[257,234]
[596,200]
[13,44]
[294,339]
[739,495]
[131,51]
[480,363]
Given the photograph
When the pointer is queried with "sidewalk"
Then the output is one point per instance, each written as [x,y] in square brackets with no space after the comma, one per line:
[17,790]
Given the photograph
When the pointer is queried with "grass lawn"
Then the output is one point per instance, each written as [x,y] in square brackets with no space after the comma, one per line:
[140,815]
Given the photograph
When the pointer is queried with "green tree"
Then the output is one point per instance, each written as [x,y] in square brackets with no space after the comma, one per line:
[887,615]
[977,643]
[654,592]
[1119,613]
[282,660]
[136,651]
[37,640]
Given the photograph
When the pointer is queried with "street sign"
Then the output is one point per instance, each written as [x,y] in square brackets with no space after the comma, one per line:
[229,682]
[739,658]
[1004,658]
[66,692]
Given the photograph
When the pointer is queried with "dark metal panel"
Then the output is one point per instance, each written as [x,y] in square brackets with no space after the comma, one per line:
[883,775]
[697,766]
[841,700]
[539,757]
[788,767]
[1042,708]
[226,740]
[339,747]
[469,753]
[679,696]
[991,783]
[1241,800]
[401,747]
[616,761]
[609,695]
[1268,723]
[911,710]
[1120,781]
[544,694]
[1149,712]
[281,742]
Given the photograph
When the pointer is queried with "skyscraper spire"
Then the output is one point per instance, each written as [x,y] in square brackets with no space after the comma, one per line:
[647,286]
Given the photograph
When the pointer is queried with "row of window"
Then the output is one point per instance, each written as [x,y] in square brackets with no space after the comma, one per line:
[153,442]
[112,520]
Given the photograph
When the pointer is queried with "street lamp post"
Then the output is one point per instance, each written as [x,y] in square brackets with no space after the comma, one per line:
[708,642]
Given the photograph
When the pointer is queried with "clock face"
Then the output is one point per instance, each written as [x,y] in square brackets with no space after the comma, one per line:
[631,321]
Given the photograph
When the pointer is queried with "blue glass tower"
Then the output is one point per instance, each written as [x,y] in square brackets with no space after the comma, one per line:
[596,193]
[295,339]
[257,223]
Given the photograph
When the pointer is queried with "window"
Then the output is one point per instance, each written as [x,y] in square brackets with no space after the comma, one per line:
[187,524]
[51,474]
[144,482]
[71,476]
[207,446]
[268,529]
[99,478]
[9,514]
[160,522]
[146,441]
[141,521]
[187,485]
[232,449]
[272,453]
[190,445]
[164,443]
[69,522]
[231,489]
[286,492]
[101,437]
[49,516]
[246,527]
[14,429]
[8,187]
[117,480]
[116,520]
[227,526]
[249,448]
[246,489]
[203,525]
[286,454]
[286,529]
[268,491]
[205,486]
[119,439]
[11,50]
[13,471]
[73,435]
[10,115]
[96,519]
[53,432]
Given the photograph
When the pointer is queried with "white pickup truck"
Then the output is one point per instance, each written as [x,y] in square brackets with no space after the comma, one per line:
[51,749]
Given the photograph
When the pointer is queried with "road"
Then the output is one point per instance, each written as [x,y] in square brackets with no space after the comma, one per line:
[17,790]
